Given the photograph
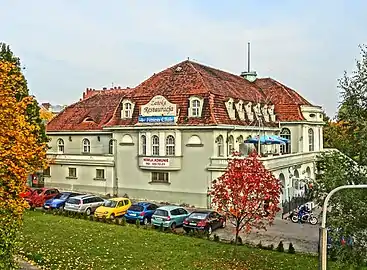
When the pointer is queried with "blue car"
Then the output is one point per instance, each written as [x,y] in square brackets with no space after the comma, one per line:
[58,202]
[141,211]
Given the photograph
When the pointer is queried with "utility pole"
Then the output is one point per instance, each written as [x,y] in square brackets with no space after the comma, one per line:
[323,230]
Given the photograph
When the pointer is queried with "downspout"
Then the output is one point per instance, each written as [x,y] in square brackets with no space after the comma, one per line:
[115,180]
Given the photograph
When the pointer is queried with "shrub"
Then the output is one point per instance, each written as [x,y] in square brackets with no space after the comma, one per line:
[161,228]
[216,238]
[291,249]
[123,221]
[280,247]
[270,247]
[259,245]
[103,219]
[137,223]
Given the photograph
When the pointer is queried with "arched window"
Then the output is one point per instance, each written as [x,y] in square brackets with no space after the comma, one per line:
[220,146]
[127,110]
[86,146]
[110,147]
[170,145]
[60,145]
[230,145]
[311,145]
[195,108]
[143,141]
[155,145]
[286,134]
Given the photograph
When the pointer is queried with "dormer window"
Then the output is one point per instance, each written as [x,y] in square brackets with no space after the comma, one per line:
[127,109]
[230,109]
[195,106]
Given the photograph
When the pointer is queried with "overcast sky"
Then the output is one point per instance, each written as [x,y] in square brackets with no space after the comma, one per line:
[69,45]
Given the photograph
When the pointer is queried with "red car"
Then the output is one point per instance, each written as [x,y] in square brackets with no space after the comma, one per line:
[26,193]
[40,195]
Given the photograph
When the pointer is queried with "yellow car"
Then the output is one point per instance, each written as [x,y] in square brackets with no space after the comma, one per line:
[112,208]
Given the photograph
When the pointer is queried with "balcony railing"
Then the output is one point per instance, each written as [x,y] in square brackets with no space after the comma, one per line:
[270,162]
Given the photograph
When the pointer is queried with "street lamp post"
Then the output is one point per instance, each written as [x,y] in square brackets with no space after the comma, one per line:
[323,230]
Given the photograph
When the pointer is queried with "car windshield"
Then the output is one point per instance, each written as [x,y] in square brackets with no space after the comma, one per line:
[161,212]
[199,215]
[74,201]
[136,208]
[62,196]
[110,203]
[37,191]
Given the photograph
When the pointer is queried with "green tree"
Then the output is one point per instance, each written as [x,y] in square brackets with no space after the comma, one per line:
[347,207]
[22,91]
[349,166]
[353,108]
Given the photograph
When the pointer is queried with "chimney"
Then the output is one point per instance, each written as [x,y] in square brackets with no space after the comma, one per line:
[249,75]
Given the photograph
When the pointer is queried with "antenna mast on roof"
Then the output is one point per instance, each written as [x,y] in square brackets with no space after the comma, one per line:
[248,57]
[249,75]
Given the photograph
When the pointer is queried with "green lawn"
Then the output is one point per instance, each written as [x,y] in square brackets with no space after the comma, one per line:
[59,242]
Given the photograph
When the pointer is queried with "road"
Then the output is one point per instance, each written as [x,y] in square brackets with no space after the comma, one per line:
[304,237]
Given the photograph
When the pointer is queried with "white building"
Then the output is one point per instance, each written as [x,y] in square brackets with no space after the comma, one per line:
[170,136]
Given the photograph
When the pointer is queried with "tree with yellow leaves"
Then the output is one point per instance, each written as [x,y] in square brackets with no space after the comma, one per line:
[21,152]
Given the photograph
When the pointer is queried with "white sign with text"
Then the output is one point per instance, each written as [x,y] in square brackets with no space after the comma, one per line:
[158,106]
[155,162]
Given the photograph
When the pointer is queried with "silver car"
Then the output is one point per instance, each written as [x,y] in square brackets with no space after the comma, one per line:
[84,204]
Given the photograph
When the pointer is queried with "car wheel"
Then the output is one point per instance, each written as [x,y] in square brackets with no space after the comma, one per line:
[173,225]
[224,223]
[210,230]
[88,211]
[112,216]
[145,221]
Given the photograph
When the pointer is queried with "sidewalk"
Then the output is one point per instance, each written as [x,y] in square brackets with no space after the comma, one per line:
[26,265]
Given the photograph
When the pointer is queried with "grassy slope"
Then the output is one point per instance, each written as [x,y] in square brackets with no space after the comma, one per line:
[65,243]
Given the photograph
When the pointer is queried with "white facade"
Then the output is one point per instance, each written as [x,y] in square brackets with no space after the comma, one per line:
[179,170]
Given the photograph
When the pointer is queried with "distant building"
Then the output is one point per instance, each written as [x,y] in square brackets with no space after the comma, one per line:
[170,136]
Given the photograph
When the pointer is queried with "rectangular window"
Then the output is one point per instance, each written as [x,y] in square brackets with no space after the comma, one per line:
[160,177]
[72,172]
[47,172]
[99,173]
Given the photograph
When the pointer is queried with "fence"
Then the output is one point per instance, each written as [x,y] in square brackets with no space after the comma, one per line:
[293,203]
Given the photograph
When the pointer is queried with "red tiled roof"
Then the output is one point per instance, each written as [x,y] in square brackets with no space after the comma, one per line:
[99,107]
[177,84]
[286,100]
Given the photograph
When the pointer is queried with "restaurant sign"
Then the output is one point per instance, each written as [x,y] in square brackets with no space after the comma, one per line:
[158,106]
[156,119]
[155,162]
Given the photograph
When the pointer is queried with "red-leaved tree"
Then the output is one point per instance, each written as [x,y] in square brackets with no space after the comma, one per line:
[247,193]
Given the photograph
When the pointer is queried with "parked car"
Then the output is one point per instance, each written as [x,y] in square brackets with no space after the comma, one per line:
[58,202]
[84,204]
[142,211]
[205,220]
[26,193]
[40,195]
[170,216]
[112,208]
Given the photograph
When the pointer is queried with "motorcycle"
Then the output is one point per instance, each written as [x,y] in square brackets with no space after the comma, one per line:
[306,217]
